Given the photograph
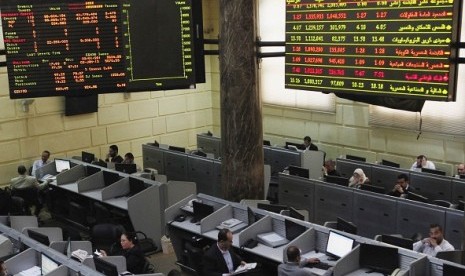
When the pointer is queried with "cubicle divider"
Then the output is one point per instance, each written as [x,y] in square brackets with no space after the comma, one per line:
[313,240]
[373,213]
[209,144]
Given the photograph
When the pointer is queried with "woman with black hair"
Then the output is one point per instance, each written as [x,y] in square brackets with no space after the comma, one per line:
[130,249]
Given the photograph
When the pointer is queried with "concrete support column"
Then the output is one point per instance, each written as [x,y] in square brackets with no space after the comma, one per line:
[241,117]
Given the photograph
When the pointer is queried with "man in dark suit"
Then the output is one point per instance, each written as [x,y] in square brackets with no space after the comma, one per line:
[402,188]
[220,259]
[308,144]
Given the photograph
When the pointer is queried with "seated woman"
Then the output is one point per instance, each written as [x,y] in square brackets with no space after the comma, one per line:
[135,259]
[358,178]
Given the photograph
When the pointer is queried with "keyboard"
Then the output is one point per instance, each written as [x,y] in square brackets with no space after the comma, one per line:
[321,265]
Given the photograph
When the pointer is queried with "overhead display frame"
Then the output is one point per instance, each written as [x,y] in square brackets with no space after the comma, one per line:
[402,48]
[78,48]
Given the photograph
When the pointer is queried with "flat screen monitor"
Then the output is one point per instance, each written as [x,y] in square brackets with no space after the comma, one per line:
[104,267]
[461,205]
[100,163]
[126,168]
[452,270]
[398,241]
[136,186]
[293,229]
[110,178]
[47,265]
[251,216]
[338,245]
[390,164]
[266,143]
[275,208]
[356,158]
[462,176]
[339,180]
[293,213]
[298,146]
[201,210]
[373,188]
[39,237]
[346,226]
[177,149]
[62,165]
[298,171]
[87,157]
[417,197]
[381,259]
[438,172]
[92,170]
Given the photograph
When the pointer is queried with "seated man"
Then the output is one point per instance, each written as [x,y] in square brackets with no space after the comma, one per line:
[26,187]
[220,259]
[460,170]
[294,265]
[434,243]
[402,186]
[113,156]
[422,162]
[329,168]
[44,160]
[129,159]
[308,144]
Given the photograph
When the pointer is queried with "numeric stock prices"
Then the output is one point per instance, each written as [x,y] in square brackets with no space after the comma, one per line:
[88,47]
[393,47]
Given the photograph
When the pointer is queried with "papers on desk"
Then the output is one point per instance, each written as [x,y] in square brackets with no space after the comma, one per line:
[79,254]
[271,239]
[244,268]
[33,271]
[48,177]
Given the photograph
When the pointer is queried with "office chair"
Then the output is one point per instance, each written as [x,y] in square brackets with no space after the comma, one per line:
[30,197]
[105,235]
[194,259]
[17,207]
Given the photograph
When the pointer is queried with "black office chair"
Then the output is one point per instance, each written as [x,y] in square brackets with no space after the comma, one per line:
[105,235]
[30,197]
[5,202]
[193,266]
[17,207]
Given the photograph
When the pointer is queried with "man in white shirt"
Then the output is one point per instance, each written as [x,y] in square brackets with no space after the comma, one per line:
[434,244]
[422,162]
[44,160]
[460,170]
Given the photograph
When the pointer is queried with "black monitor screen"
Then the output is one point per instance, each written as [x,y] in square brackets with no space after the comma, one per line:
[380,259]
[451,270]
[201,210]
[275,208]
[356,158]
[298,146]
[92,170]
[390,164]
[372,188]
[126,168]
[339,180]
[105,267]
[433,171]
[177,149]
[398,241]
[87,157]
[39,237]
[110,178]
[298,171]
[266,143]
[136,186]
[417,197]
[251,217]
[293,230]
[62,165]
[293,213]
[344,225]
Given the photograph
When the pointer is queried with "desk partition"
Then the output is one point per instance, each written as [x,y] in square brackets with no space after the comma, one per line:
[332,201]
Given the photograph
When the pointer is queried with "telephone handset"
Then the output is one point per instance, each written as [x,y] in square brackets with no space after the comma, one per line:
[251,243]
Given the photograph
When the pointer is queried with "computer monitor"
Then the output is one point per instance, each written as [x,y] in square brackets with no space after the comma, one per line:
[39,237]
[47,265]
[462,176]
[356,158]
[275,208]
[87,157]
[298,171]
[100,163]
[92,170]
[293,229]
[461,205]
[104,267]
[298,146]
[293,213]
[452,270]
[389,163]
[177,149]
[201,210]
[417,197]
[398,241]
[62,165]
[339,180]
[346,226]
[266,143]
[110,178]
[381,259]
[126,168]
[373,188]
[438,172]
[251,216]
[338,245]
[136,186]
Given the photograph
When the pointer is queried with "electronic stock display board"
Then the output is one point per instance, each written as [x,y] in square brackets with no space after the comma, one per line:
[399,48]
[59,48]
